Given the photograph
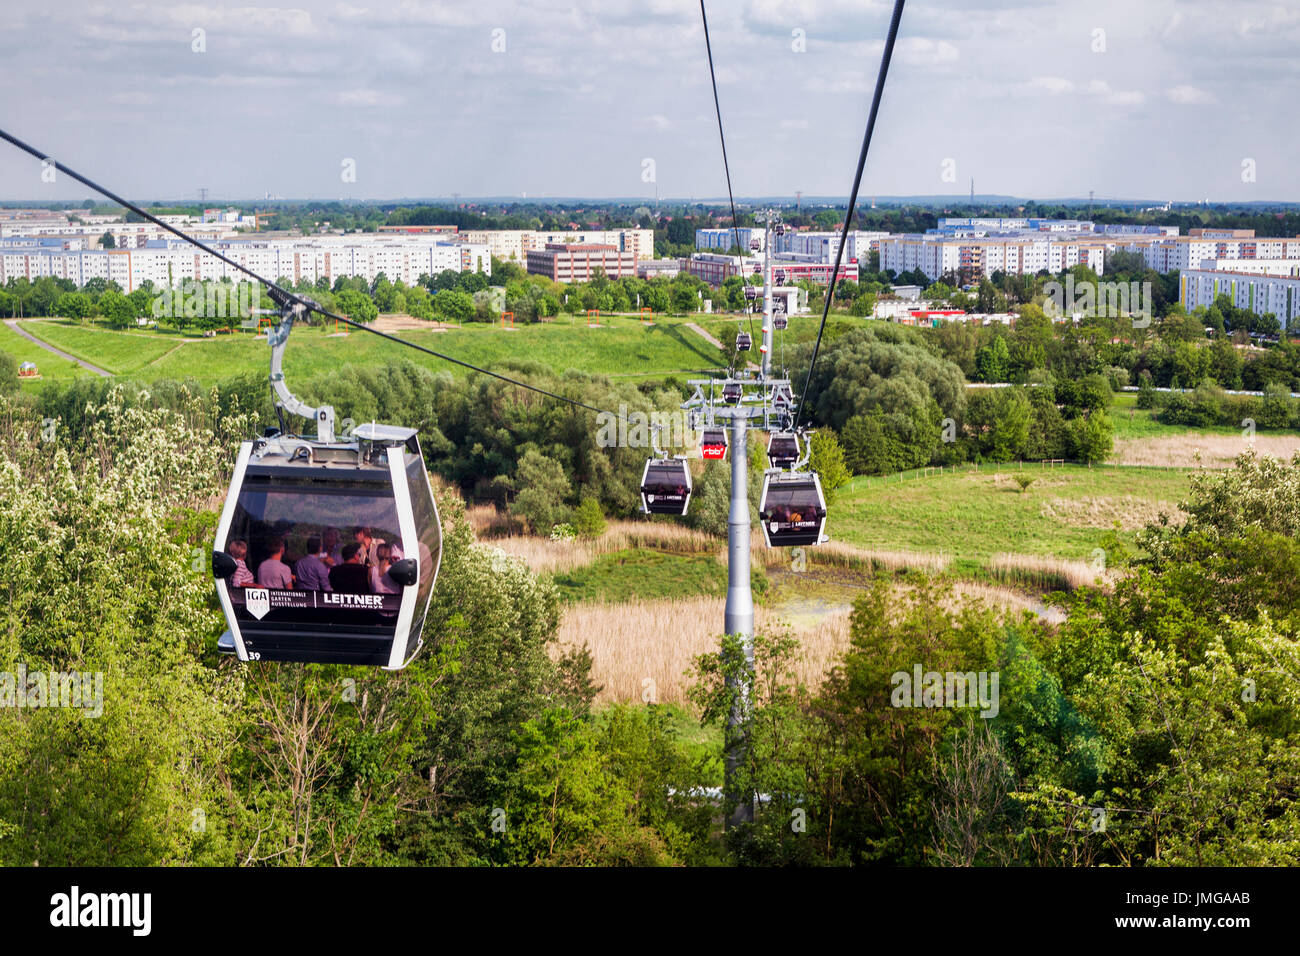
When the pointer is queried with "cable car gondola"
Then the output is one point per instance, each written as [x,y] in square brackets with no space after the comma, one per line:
[732,392]
[665,486]
[298,556]
[713,444]
[792,509]
[783,449]
[744,342]
[780,322]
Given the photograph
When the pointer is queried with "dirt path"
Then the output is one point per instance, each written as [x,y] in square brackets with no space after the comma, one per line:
[704,334]
[401,322]
[13,324]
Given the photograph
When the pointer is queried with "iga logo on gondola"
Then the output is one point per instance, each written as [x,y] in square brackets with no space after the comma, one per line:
[257,601]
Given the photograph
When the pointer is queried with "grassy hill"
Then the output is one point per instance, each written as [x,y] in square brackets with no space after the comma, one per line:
[621,347]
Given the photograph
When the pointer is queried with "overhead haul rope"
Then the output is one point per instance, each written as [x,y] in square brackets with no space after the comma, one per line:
[735,225]
[853,196]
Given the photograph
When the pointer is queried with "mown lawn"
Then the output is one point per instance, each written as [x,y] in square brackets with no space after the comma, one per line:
[623,347]
[122,353]
[51,367]
[972,515]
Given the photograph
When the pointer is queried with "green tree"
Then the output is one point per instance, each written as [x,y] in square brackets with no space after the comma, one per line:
[453,305]
[542,490]
[357,306]
[75,305]
[993,361]
[1146,397]
[1091,437]
[8,374]
[588,519]
[826,458]
[117,310]
[1010,433]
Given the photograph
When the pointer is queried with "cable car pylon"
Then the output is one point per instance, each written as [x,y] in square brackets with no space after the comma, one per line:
[746,401]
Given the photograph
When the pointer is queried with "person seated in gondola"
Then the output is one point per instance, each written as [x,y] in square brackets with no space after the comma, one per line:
[351,576]
[242,578]
[380,581]
[273,572]
[312,572]
[330,551]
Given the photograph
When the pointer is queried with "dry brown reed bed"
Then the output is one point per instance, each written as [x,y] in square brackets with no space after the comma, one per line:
[545,556]
[642,650]
[1043,571]
[836,554]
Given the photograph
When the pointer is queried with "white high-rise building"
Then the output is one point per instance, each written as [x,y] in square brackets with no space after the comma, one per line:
[1261,285]
[168,262]
[937,255]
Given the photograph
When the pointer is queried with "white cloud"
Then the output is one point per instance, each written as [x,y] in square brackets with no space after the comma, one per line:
[922,51]
[1103,91]
[1055,85]
[1187,94]
[404,77]
[364,97]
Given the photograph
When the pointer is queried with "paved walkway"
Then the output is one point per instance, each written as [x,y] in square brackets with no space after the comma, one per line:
[13,324]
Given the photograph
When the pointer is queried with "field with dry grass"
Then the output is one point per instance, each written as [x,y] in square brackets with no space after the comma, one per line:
[1214,451]
[643,650]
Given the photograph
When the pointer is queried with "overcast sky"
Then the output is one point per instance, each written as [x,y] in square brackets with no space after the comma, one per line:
[1157,99]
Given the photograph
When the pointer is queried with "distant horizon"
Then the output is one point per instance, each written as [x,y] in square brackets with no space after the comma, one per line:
[822,201]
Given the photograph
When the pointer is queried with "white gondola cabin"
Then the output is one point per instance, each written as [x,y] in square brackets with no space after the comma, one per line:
[299,570]
[792,509]
[666,486]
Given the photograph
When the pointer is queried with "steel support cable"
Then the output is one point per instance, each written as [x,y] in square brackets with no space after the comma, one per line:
[853,196]
[726,168]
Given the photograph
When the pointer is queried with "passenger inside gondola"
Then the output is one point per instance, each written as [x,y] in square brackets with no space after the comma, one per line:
[331,551]
[311,570]
[242,577]
[273,572]
[369,545]
[350,577]
[380,581]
